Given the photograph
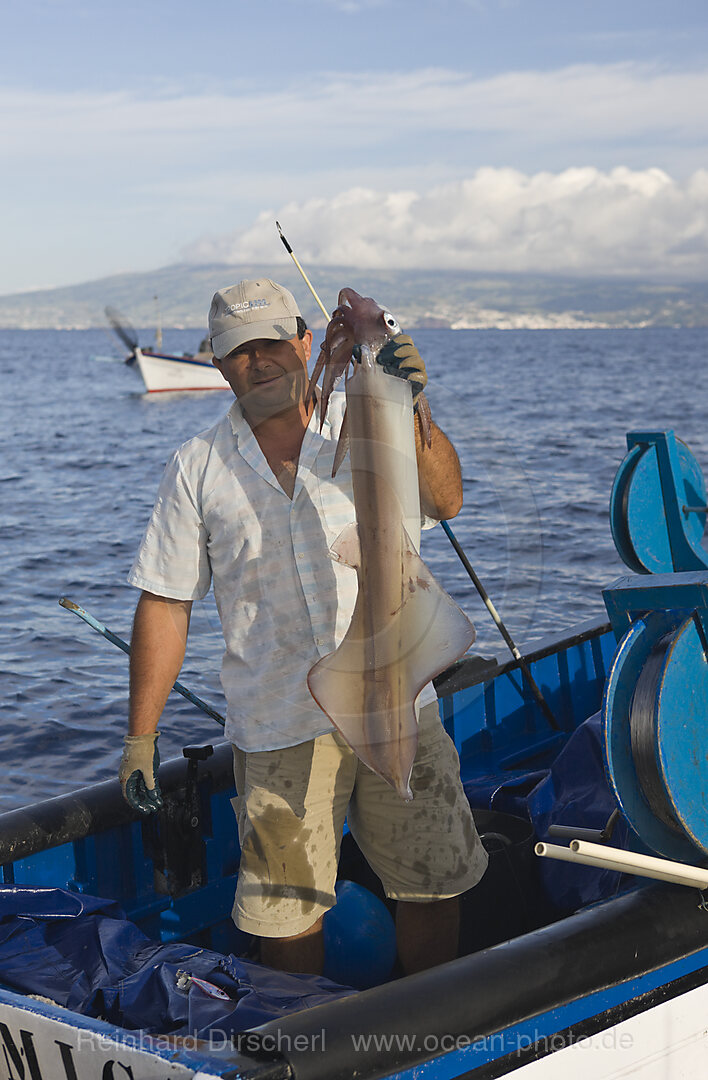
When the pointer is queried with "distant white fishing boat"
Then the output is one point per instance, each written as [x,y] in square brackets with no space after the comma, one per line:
[161,372]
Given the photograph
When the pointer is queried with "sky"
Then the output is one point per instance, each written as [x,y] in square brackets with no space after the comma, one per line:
[536,135]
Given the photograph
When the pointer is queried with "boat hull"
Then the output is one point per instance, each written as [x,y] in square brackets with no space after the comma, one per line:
[161,373]
[619,987]
[45,1042]
[474,1018]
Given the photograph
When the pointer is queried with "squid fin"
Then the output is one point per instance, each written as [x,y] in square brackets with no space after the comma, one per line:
[368,685]
[346,548]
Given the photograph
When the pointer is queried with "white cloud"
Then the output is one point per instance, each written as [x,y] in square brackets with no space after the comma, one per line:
[585,104]
[580,220]
[95,178]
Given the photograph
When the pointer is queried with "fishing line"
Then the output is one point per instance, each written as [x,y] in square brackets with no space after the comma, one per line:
[535,690]
[642,726]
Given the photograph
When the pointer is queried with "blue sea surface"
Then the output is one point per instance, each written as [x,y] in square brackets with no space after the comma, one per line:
[539,420]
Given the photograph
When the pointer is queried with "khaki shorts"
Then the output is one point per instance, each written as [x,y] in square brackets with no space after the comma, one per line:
[291,808]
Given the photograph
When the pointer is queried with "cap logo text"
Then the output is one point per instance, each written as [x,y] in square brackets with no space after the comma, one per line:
[245,305]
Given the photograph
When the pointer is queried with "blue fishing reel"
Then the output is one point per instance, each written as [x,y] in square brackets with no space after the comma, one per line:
[658,506]
[655,711]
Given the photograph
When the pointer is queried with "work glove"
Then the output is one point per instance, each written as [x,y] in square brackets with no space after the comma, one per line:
[138,773]
[400,357]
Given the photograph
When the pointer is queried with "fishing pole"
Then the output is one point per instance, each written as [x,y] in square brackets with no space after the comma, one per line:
[115,640]
[535,690]
[307,281]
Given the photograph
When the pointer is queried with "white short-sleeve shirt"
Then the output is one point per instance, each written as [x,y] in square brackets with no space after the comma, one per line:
[283,601]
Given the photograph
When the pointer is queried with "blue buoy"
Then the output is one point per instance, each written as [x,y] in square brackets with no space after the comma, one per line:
[359,938]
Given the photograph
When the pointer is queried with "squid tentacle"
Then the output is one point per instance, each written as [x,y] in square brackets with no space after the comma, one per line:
[357,320]
[425,419]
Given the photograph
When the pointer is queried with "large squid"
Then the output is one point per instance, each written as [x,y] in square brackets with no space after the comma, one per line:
[405,629]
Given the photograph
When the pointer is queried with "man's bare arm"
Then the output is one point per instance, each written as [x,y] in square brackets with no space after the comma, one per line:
[439,474]
[157,648]
[439,477]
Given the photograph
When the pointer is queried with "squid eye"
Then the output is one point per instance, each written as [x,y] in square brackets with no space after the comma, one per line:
[391,324]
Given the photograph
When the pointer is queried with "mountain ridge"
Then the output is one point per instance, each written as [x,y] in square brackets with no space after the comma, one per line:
[419,298]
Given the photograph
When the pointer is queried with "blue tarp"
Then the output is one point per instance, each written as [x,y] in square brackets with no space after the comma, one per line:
[84,954]
[573,791]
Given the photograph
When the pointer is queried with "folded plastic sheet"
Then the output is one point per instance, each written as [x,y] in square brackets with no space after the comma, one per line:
[573,791]
[84,954]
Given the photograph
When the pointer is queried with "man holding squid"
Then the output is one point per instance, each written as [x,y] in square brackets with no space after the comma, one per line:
[251,505]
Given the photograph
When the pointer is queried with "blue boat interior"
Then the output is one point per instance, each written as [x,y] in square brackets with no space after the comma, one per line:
[174,874]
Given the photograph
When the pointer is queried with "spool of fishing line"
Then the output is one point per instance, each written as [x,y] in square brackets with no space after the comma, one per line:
[643,723]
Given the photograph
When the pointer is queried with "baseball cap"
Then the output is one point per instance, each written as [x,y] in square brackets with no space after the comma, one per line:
[249,310]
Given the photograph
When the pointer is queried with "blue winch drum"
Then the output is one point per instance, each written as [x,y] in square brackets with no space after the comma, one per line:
[637,509]
[655,718]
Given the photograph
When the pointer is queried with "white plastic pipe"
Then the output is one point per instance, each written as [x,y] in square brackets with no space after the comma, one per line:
[627,862]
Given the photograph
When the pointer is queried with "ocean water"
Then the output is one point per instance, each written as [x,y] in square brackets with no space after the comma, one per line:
[539,420]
